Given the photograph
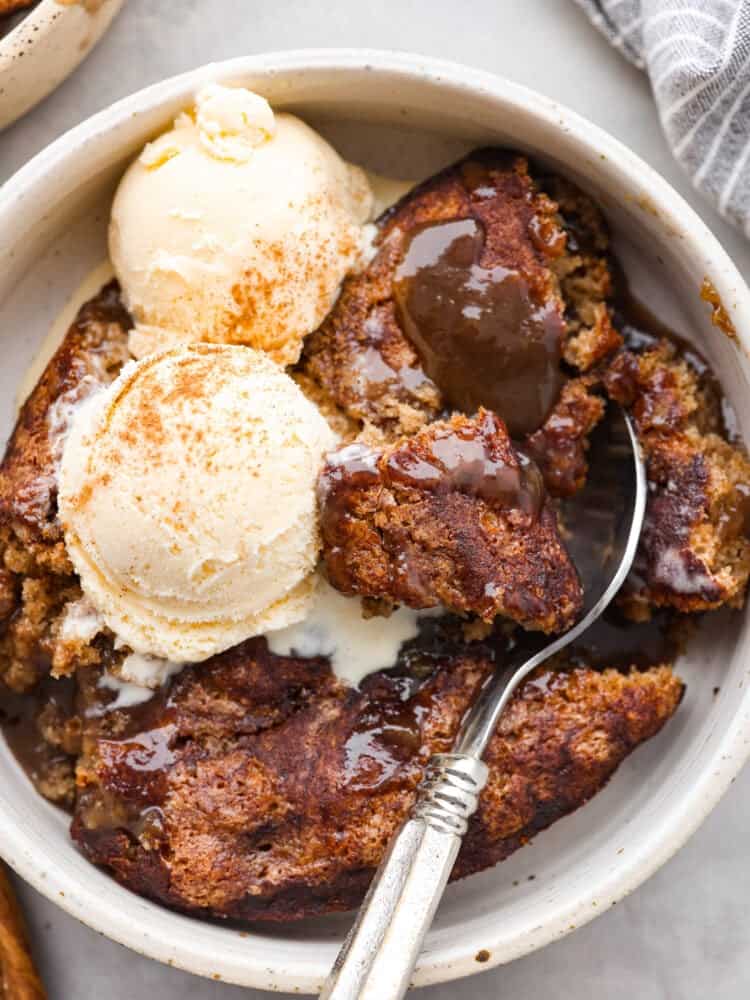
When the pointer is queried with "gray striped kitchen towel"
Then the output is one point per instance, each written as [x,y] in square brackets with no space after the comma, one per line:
[697,56]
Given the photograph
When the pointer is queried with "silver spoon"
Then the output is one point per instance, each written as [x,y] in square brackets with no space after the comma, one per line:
[381,950]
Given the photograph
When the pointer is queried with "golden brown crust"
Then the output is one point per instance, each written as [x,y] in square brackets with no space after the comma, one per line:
[36,577]
[91,355]
[435,539]
[585,276]
[694,553]
[18,977]
[360,356]
[574,729]
[263,789]
[540,225]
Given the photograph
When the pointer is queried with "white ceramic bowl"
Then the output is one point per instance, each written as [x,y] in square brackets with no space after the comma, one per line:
[45,46]
[402,115]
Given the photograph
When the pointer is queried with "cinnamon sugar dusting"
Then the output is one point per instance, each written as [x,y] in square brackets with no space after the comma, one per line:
[251,251]
[187,500]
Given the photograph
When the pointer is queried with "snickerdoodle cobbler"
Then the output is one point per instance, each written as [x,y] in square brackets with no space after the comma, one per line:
[458,365]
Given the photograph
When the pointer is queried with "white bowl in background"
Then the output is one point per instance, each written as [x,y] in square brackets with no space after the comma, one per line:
[402,115]
[46,45]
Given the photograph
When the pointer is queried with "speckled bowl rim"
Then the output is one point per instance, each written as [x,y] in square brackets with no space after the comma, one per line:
[625,171]
[56,34]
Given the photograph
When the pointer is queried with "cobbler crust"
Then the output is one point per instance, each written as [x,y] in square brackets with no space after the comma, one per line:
[560,445]
[694,553]
[266,790]
[37,583]
[540,226]
[429,543]
[36,576]
[360,356]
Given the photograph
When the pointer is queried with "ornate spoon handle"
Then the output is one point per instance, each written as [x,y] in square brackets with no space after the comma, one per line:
[381,950]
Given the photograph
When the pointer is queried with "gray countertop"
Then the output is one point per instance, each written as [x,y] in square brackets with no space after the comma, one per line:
[686,933]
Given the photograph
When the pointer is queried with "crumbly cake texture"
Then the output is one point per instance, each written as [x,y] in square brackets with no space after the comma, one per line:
[264,789]
[19,979]
[430,542]
[37,583]
[36,577]
[694,553]
[361,358]
[584,276]
[559,446]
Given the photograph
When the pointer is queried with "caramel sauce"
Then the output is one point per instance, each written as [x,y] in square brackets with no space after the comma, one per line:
[615,641]
[456,459]
[376,371]
[137,750]
[137,761]
[461,460]
[143,752]
[139,754]
[385,740]
[147,826]
[481,336]
[18,719]
[356,463]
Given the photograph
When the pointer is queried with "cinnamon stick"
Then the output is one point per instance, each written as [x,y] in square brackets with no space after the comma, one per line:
[18,977]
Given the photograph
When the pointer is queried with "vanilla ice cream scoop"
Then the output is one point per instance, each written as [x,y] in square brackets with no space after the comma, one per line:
[187,497]
[236,226]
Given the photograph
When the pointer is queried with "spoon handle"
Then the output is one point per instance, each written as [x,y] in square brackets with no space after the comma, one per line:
[378,956]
